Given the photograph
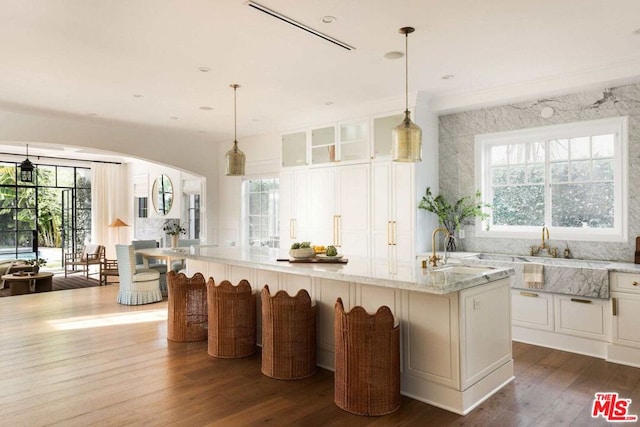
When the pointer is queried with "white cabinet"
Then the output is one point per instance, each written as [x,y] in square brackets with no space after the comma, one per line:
[339,208]
[532,309]
[393,211]
[323,145]
[382,136]
[626,309]
[485,332]
[571,323]
[294,149]
[353,141]
[582,317]
[294,196]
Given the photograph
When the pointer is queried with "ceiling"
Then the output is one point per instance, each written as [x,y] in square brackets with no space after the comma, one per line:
[139,61]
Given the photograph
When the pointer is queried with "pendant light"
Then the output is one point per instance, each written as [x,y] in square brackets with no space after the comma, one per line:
[234,159]
[407,136]
[26,169]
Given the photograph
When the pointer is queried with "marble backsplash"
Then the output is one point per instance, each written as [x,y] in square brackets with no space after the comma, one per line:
[457,164]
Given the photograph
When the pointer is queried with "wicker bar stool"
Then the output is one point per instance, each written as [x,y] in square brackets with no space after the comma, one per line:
[288,335]
[232,319]
[367,371]
[187,307]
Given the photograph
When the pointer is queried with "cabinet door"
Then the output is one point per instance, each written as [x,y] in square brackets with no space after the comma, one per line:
[582,317]
[381,211]
[323,145]
[626,319]
[294,193]
[403,208]
[382,136]
[354,140]
[352,185]
[322,207]
[532,309]
[294,149]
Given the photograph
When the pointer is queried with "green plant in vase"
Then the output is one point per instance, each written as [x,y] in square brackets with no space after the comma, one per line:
[452,215]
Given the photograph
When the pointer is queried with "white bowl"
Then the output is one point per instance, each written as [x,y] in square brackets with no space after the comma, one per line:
[302,253]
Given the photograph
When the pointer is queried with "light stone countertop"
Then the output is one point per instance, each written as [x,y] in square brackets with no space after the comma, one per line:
[570,276]
[409,277]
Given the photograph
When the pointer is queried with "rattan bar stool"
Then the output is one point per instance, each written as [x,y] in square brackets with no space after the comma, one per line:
[367,370]
[232,319]
[288,335]
[187,307]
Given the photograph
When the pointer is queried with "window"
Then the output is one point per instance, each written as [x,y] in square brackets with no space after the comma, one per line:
[143,208]
[262,207]
[193,216]
[571,178]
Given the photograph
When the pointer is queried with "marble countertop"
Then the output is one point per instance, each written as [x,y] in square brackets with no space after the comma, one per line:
[408,276]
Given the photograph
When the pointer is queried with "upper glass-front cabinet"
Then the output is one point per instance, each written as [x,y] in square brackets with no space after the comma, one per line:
[294,149]
[347,141]
[354,140]
[323,145]
[382,134]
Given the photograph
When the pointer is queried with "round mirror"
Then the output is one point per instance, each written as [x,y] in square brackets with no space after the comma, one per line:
[162,195]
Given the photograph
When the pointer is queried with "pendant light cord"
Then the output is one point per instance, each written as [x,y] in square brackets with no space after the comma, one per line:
[406,72]
[235,115]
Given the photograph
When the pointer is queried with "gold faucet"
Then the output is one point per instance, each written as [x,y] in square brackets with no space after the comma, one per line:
[544,245]
[433,259]
[533,250]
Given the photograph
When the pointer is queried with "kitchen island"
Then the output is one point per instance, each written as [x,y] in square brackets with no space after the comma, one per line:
[455,321]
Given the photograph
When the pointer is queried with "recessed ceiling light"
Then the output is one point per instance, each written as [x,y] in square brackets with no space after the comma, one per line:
[206,108]
[328,19]
[394,55]
[201,131]
[447,77]
[637,32]
[328,103]
[137,95]
[173,118]
[204,69]
[92,114]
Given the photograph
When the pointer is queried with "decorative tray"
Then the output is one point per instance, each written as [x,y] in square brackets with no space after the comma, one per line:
[320,260]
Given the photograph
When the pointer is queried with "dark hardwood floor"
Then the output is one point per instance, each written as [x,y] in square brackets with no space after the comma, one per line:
[77,358]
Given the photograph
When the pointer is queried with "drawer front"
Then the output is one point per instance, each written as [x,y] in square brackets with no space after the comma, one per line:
[532,309]
[582,317]
[625,282]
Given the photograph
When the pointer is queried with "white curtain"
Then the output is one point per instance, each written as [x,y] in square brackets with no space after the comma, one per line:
[109,192]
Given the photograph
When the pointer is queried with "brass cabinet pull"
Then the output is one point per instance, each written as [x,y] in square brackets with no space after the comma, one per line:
[582,301]
[292,234]
[339,230]
[395,233]
[389,233]
[335,221]
[614,306]
[529,294]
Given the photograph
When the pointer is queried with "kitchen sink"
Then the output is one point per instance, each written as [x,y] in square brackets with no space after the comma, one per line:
[463,269]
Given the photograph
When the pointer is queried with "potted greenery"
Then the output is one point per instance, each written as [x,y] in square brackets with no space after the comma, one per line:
[37,263]
[451,216]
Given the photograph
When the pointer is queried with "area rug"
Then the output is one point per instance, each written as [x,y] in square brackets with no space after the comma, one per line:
[60,283]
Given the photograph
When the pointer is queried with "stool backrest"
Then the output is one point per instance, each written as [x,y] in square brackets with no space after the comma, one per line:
[301,299]
[359,319]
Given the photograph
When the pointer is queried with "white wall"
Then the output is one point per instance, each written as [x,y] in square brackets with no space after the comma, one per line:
[263,159]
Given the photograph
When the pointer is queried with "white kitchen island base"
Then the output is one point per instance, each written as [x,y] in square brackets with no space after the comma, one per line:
[455,340]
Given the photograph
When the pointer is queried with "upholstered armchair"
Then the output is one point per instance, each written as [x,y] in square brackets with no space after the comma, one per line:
[137,285]
[81,262]
[153,264]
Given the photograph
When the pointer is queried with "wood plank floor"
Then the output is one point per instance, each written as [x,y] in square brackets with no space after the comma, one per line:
[77,358]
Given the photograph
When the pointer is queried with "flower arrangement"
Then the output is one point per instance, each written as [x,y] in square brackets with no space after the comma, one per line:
[451,216]
[173,229]
[37,262]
